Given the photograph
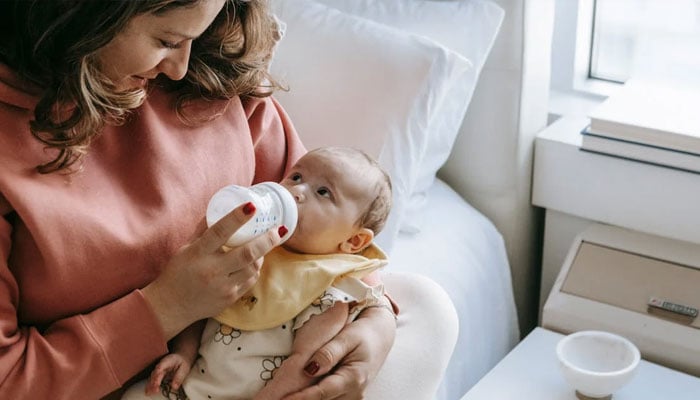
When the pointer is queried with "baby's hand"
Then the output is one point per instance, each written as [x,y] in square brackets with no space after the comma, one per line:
[173,369]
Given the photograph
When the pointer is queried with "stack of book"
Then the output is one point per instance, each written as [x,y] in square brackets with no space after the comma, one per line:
[648,122]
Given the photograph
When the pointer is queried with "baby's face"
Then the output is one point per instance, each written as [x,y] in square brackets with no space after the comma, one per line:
[331,196]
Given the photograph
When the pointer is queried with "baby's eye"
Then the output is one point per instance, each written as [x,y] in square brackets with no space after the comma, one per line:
[323,191]
[295,177]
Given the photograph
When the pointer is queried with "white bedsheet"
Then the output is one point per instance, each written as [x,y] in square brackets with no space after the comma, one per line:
[462,251]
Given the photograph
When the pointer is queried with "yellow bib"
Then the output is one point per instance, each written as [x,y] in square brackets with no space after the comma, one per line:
[289,282]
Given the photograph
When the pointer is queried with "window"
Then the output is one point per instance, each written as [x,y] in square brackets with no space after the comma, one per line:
[657,39]
[599,43]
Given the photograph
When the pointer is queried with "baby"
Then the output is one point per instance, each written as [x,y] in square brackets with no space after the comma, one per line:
[309,288]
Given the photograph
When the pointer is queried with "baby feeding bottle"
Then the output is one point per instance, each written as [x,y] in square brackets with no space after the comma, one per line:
[274,206]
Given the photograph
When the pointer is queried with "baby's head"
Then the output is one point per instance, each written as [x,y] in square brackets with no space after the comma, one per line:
[344,198]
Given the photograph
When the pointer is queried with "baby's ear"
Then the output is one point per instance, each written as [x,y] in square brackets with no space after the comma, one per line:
[358,241]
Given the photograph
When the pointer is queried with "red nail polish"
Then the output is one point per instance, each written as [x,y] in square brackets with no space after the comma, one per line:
[282,231]
[248,208]
[311,368]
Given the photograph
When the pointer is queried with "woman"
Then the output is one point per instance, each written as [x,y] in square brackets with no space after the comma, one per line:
[118,121]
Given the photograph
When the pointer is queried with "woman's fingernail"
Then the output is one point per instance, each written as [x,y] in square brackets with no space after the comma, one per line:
[248,208]
[311,368]
[282,231]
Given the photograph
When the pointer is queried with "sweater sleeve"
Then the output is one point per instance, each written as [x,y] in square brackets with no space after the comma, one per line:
[79,357]
[276,143]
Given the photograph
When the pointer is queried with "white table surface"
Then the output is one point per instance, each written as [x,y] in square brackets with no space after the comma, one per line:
[531,371]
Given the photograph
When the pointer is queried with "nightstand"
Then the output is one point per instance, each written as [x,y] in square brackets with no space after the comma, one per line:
[578,188]
[531,372]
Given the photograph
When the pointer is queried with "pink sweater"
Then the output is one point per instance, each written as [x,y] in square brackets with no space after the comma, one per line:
[75,249]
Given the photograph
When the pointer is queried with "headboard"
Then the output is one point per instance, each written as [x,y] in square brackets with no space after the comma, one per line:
[491,161]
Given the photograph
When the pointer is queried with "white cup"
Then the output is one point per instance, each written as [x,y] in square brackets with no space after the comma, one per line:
[274,206]
[597,363]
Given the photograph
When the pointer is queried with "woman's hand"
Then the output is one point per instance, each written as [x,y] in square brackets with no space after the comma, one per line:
[202,279]
[355,356]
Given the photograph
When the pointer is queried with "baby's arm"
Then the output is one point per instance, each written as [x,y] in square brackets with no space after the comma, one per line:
[175,366]
[316,332]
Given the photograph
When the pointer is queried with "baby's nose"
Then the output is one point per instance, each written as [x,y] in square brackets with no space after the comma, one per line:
[298,193]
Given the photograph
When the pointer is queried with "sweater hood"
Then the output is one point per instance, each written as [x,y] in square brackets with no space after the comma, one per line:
[16,92]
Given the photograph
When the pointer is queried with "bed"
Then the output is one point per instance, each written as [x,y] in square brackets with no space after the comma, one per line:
[408,81]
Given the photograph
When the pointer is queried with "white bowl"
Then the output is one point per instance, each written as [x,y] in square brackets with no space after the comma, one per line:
[596,363]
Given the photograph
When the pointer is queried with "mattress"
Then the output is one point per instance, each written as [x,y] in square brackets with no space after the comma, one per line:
[460,249]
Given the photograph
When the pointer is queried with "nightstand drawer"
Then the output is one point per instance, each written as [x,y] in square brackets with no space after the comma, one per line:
[630,280]
[643,287]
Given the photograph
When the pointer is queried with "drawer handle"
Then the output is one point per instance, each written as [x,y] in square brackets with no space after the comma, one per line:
[679,312]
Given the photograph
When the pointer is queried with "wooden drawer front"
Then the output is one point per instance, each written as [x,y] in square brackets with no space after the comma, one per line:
[629,280]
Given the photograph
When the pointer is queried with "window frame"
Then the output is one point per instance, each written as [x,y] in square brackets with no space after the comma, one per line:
[583,80]
[572,90]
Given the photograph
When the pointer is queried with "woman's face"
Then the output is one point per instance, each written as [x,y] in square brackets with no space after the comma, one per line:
[156,44]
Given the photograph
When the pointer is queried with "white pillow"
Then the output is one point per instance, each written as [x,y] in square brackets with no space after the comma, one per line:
[358,83]
[468,27]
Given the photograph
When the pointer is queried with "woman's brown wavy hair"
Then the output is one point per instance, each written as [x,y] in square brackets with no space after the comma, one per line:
[53,44]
